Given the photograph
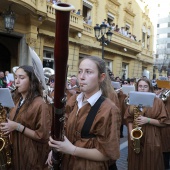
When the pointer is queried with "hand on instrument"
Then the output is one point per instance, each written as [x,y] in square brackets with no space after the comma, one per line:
[8,126]
[141,120]
[62,146]
[49,160]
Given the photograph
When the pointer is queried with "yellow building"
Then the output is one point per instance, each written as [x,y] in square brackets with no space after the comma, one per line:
[35,26]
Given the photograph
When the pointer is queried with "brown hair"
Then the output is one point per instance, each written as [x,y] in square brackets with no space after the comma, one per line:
[35,88]
[147,81]
[105,85]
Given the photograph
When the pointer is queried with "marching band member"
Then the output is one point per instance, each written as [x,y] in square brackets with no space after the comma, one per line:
[94,149]
[150,156]
[165,134]
[28,123]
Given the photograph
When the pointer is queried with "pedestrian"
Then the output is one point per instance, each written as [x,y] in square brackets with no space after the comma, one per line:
[150,156]
[28,123]
[90,147]
[3,83]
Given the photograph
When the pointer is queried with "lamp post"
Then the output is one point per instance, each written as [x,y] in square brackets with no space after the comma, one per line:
[9,19]
[101,31]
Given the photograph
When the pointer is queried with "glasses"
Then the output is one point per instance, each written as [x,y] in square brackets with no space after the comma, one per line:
[143,87]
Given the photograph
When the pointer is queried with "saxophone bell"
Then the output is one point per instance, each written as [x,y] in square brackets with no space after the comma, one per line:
[136,134]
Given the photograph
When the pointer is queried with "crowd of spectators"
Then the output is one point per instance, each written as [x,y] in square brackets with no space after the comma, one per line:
[121,30]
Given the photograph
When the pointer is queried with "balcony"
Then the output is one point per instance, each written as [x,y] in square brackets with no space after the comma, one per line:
[125,42]
[45,9]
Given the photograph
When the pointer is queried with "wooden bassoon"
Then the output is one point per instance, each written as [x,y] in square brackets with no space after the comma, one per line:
[62,12]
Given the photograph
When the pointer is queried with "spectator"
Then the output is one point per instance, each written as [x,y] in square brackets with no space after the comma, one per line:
[2,80]
[89,21]
[78,12]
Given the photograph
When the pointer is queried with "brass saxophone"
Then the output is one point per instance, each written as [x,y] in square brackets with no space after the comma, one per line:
[5,144]
[136,132]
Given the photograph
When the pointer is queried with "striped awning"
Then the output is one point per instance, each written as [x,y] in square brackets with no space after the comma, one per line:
[87,4]
[111,16]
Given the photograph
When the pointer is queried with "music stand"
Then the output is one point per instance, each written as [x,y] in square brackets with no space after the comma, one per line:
[6,98]
[141,99]
[126,89]
[116,85]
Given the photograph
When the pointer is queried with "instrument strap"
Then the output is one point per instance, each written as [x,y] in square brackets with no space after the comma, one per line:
[21,103]
[90,118]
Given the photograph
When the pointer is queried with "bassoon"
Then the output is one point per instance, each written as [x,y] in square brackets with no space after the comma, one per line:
[62,13]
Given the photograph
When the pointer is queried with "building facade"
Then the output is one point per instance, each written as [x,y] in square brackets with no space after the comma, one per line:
[162,57]
[128,56]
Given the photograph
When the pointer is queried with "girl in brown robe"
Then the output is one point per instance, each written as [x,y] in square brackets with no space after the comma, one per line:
[150,156]
[29,123]
[91,152]
[165,134]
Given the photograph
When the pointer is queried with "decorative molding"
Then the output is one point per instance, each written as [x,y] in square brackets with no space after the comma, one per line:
[42,2]
[85,49]
[49,41]
[113,7]
[115,2]
[31,41]
[128,9]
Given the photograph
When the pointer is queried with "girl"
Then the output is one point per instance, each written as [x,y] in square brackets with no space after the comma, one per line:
[95,149]
[150,156]
[29,123]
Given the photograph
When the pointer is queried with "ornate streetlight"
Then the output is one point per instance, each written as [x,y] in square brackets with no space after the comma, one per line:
[9,19]
[101,31]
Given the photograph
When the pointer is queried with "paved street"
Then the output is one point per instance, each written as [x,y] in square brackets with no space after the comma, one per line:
[122,162]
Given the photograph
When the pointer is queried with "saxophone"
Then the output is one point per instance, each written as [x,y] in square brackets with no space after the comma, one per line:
[136,132]
[5,144]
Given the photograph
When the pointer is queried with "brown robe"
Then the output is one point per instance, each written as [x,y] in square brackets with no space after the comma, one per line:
[31,154]
[123,105]
[106,127]
[150,156]
[165,131]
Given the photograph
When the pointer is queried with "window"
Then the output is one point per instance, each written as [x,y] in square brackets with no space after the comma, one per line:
[163,25]
[143,39]
[168,45]
[157,35]
[110,18]
[87,7]
[124,70]
[109,64]
[157,25]
[168,24]
[168,34]
[48,58]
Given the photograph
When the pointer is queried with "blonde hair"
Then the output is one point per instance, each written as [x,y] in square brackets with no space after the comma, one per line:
[105,85]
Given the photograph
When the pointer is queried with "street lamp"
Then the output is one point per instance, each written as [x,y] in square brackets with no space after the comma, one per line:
[102,30]
[9,19]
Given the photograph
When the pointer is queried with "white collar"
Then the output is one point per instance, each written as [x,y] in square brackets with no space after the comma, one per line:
[92,100]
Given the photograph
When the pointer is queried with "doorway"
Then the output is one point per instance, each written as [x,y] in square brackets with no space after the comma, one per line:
[5,58]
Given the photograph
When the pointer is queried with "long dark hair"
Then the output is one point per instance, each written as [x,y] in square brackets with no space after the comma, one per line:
[35,88]
[105,85]
[147,81]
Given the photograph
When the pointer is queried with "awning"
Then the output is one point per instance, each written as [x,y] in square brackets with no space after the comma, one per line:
[87,4]
[110,16]
[143,29]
